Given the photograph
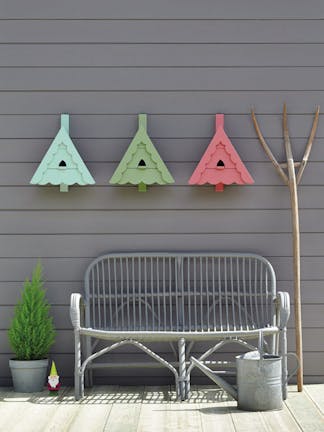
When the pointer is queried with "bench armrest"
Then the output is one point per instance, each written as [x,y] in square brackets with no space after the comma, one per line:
[283,309]
[76,310]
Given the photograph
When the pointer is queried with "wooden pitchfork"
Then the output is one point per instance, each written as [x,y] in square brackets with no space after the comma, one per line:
[292,180]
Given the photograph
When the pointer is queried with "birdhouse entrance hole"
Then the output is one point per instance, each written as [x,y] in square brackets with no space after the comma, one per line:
[141,163]
[62,163]
[220,164]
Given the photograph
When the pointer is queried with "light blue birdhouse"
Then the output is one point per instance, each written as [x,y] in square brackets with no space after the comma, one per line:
[62,165]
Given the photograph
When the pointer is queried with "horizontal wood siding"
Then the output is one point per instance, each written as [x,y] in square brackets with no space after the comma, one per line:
[105,62]
[170,9]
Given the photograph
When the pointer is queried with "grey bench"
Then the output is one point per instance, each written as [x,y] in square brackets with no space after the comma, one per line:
[179,298]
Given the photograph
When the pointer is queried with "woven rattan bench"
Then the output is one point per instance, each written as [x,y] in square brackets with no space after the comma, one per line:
[179,298]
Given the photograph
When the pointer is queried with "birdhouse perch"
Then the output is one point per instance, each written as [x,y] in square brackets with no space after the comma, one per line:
[220,165]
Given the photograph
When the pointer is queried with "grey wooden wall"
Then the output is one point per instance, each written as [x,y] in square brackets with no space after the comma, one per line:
[181,62]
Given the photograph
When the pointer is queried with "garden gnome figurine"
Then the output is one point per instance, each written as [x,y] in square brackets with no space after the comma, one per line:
[53,384]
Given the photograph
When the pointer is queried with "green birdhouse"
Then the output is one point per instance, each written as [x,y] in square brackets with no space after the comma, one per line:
[62,165]
[141,165]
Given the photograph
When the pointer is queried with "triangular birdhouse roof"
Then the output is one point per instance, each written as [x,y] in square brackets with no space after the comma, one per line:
[62,164]
[220,164]
[141,164]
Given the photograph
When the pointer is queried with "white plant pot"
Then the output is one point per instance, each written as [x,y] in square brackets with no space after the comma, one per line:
[28,376]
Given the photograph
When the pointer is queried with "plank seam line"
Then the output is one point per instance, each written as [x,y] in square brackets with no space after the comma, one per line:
[139,232]
[33,43]
[298,426]
[202,187]
[170,66]
[44,19]
[292,415]
[137,424]
[152,90]
[107,415]
[292,411]
[161,43]
[170,161]
[165,67]
[166,114]
[308,395]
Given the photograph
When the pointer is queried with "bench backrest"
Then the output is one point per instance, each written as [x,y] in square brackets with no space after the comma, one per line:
[180,292]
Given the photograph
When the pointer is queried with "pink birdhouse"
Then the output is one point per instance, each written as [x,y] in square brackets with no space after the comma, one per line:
[220,165]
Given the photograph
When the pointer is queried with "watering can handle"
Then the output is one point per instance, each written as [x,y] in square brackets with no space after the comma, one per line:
[297,365]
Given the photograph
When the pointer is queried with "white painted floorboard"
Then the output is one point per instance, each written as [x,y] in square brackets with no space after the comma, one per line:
[154,409]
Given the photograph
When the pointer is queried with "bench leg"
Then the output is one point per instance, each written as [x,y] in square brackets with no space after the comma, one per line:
[77,366]
[187,387]
[182,368]
[283,354]
[88,378]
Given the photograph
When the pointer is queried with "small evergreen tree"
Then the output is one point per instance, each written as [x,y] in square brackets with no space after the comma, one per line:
[32,333]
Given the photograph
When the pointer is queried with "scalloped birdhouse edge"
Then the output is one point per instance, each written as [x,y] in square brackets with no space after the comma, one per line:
[220,164]
[141,164]
[62,164]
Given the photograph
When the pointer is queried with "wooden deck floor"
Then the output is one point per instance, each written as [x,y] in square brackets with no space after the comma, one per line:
[153,409]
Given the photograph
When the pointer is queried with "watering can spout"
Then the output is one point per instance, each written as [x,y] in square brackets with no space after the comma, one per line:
[216,378]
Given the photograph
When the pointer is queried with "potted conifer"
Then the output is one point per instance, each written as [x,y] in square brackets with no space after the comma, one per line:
[31,334]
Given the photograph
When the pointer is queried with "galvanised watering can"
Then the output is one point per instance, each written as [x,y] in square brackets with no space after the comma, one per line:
[259,380]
